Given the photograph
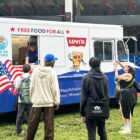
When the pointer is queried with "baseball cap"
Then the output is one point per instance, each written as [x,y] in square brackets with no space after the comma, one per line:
[32,44]
[49,58]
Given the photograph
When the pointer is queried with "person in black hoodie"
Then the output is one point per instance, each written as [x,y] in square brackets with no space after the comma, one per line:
[95,86]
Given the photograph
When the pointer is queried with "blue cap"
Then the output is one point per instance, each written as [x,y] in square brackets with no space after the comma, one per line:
[49,58]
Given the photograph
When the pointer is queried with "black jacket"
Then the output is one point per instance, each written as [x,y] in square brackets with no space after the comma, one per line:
[95,86]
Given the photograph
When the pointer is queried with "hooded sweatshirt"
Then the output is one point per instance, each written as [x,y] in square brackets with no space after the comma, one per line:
[95,86]
[44,89]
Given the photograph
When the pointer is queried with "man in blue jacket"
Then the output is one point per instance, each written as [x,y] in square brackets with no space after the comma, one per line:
[31,54]
[95,86]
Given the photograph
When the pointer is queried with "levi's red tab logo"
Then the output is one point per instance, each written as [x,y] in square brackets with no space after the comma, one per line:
[77,42]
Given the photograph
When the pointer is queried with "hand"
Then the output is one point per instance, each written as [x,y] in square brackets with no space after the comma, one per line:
[56,107]
[16,89]
[83,119]
[117,61]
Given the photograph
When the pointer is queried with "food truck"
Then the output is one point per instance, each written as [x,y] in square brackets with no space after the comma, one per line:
[72,43]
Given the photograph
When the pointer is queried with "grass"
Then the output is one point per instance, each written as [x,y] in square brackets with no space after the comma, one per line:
[68,126]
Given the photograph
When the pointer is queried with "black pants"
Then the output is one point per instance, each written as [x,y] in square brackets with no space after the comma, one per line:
[22,108]
[48,116]
[91,127]
[128,102]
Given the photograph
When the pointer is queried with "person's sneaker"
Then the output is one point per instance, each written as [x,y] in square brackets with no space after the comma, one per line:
[123,127]
[125,131]
[21,134]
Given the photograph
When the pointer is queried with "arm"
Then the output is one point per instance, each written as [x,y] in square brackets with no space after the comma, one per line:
[55,90]
[107,89]
[120,64]
[83,99]
[136,86]
[32,85]
[125,76]
[27,60]
[17,83]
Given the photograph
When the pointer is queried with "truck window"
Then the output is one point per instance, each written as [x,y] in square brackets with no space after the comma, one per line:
[20,46]
[98,48]
[103,50]
[122,56]
[107,51]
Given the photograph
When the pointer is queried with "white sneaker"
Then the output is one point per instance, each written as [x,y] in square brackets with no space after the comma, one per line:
[125,131]
[123,127]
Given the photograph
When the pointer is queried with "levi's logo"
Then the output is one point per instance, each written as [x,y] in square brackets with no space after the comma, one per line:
[77,42]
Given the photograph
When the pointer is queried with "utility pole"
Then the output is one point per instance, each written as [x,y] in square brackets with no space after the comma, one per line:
[68,10]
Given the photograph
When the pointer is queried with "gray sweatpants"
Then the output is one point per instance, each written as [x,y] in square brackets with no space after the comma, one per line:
[22,108]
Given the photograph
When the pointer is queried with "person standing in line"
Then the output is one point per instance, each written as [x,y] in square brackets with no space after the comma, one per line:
[22,84]
[31,54]
[45,96]
[95,86]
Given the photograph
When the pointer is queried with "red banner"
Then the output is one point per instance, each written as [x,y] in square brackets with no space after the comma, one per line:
[130,5]
[76,42]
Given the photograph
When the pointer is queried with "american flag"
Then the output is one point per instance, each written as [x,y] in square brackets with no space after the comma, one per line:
[8,74]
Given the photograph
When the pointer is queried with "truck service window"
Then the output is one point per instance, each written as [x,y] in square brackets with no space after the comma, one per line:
[122,55]
[103,50]
[20,46]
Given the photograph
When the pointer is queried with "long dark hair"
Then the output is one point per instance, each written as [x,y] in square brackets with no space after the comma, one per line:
[132,71]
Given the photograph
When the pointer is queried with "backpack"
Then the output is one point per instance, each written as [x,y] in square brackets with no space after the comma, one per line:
[24,90]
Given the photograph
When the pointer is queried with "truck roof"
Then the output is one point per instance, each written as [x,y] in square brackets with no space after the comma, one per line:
[43,22]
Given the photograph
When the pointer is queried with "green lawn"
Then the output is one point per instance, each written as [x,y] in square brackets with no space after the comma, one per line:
[68,126]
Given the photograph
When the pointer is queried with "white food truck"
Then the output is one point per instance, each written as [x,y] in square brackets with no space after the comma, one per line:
[72,43]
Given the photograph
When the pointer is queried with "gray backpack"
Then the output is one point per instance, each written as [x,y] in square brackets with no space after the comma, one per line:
[24,90]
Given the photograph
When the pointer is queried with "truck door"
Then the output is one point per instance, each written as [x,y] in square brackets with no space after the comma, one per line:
[122,54]
[105,51]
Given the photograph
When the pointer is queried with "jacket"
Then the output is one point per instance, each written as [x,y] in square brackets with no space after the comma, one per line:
[95,86]
[44,89]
